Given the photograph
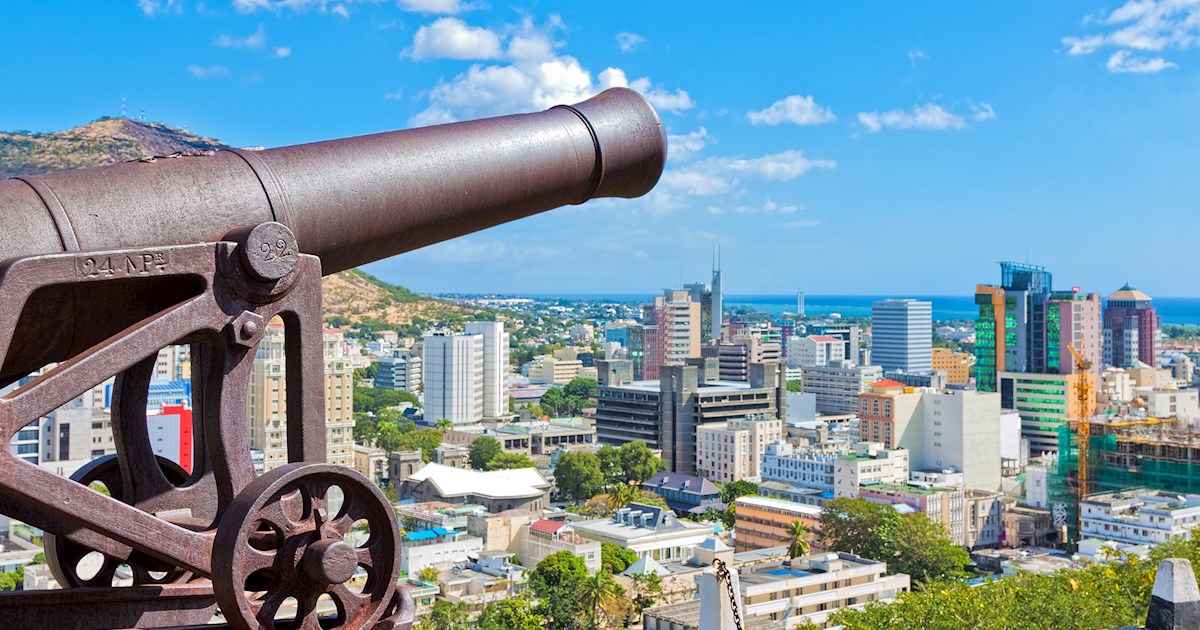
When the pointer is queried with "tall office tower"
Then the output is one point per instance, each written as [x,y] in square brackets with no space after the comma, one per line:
[902,335]
[671,328]
[702,294]
[1072,319]
[800,304]
[453,377]
[1130,329]
[266,400]
[495,367]
[1011,329]
[716,315]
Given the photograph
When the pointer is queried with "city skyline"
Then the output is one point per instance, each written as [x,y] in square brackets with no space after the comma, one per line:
[824,147]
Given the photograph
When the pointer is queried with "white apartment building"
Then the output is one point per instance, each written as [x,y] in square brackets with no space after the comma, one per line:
[732,450]
[1139,517]
[401,369]
[804,468]
[453,377]
[1181,404]
[815,350]
[837,386]
[436,547]
[648,531]
[870,463]
[495,367]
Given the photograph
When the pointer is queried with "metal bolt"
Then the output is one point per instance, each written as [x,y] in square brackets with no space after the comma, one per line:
[249,329]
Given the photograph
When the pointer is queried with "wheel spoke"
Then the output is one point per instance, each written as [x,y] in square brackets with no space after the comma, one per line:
[285,513]
[352,603]
[306,612]
[253,560]
[105,576]
[269,607]
[367,555]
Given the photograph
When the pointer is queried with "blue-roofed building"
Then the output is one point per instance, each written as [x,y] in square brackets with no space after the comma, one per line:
[162,394]
[686,494]
[438,547]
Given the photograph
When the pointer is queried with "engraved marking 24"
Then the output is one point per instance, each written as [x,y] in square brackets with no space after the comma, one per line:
[123,265]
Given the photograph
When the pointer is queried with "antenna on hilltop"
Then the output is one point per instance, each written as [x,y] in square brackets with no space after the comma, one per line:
[143,116]
[122,107]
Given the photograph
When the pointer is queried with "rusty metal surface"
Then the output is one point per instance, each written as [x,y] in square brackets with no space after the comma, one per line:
[101,268]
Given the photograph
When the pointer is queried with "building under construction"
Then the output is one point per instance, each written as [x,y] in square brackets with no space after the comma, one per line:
[1124,452]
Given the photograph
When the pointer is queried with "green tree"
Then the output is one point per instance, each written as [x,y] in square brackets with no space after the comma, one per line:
[797,533]
[640,463]
[428,574]
[610,465]
[391,414]
[581,388]
[388,437]
[510,614]
[8,582]
[555,402]
[648,589]
[614,559]
[739,488]
[482,451]
[509,461]
[39,558]
[597,592]
[921,549]
[443,424]
[425,440]
[795,386]
[858,526]
[578,475]
[556,583]
[445,616]
[365,430]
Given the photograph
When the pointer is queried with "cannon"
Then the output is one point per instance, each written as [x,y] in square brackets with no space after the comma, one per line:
[103,267]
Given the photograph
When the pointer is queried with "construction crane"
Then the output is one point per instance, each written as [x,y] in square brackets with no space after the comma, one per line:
[1083,427]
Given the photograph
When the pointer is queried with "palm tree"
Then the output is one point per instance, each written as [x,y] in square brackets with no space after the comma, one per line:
[428,574]
[797,533]
[598,591]
[443,424]
[621,494]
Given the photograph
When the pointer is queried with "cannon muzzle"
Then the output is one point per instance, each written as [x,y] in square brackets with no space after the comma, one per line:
[350,201]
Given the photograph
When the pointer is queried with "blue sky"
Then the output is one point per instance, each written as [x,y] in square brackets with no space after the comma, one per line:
[833,147]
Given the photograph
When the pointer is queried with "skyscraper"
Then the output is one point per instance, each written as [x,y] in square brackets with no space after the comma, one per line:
[1072,319]
[1011,329]
[453,378]
[495,366]
[902,335]
[1130,329]
[671,329]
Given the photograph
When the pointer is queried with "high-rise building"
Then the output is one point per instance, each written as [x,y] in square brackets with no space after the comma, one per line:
[849,334]
[902,335]
[495,366]
[800,305]
[734,357]
[1011,329]
[453,377]
[1045,402]
[815,350]
[1072,319]
[837,386]
[732,450]
[1130,329]
[956,365]
[266,400]
[671,331]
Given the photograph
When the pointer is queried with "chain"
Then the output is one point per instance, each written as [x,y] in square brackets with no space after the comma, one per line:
[723,575]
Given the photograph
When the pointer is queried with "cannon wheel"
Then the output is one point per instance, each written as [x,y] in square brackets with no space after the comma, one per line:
[63,556]
[287,535]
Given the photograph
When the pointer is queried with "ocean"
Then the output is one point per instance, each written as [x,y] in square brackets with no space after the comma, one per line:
[1173,310]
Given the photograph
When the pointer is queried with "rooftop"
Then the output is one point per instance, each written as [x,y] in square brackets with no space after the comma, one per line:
[779,504]
[519,483]
[689,484]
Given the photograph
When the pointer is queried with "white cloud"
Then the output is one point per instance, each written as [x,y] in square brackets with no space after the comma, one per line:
[1122,61]
[466,250]
[720,175]
[341,10]
[394,96]
[534,75]
[688,145]
[157,7]
[296,6]
[1141,25]
[1083,45]
[659,97]
[208,72]
[628,42]
[917,55]
[928,117]
[802,223]
[981,112]
[451,38]
[255,40]
[448,7]
[795,109]
[283,52]
[769,207]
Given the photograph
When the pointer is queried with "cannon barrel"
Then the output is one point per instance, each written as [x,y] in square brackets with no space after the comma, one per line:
[349,201]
